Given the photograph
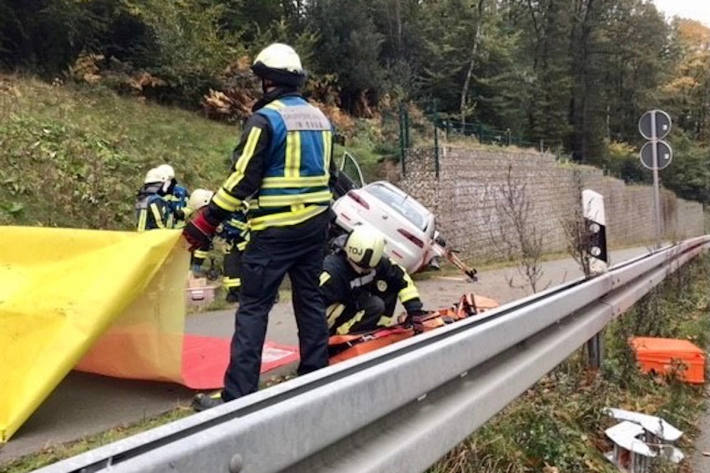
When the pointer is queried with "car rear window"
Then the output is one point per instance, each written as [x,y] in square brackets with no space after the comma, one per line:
[406,206]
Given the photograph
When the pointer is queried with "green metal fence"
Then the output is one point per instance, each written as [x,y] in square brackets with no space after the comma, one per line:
[449,128]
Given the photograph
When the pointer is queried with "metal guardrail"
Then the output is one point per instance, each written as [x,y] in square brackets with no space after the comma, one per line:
[399,408]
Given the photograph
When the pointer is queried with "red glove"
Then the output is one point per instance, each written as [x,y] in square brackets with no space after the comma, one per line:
[199,231]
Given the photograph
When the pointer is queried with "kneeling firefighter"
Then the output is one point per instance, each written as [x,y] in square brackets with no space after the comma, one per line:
[361,285]
[198,199]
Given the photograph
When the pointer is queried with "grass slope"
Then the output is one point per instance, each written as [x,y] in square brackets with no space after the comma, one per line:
[76,157]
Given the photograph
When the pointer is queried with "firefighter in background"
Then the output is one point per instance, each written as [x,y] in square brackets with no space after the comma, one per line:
[177,200]
[198,199]
[361,285]
[152,209]
[235,233]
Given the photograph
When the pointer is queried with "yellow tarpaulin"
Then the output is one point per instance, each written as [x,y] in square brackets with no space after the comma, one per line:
[60,289]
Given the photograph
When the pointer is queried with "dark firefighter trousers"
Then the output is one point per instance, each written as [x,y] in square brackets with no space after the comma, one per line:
[272,253]
[373,307]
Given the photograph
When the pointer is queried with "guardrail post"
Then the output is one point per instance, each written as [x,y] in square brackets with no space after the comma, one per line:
[595,351]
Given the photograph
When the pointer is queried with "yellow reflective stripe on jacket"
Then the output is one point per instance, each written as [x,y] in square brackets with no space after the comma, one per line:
[225,200]
[333,312]
[242,246]
[344,329]
[291,182]
[243,161]
[324,278]
[294,199]
[327,148]
[157,215]
[275,105]
[292,168]
[286,218]
[142,217]
[409,291]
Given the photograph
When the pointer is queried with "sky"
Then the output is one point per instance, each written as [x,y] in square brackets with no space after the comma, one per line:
[693,9]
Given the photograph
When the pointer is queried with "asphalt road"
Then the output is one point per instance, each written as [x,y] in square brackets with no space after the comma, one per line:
[85,404]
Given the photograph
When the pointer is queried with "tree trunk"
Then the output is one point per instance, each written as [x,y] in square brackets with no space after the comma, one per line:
[469,73]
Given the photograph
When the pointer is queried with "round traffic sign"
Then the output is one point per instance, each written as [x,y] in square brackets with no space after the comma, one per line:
[663,124]
[664,154]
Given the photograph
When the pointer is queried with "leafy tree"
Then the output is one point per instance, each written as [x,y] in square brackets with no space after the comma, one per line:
[349,46]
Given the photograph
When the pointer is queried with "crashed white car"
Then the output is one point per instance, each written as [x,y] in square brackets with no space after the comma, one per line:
[406,225]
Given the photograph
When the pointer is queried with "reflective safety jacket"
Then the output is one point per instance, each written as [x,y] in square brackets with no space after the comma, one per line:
[341,286]
[152,210]
[284,162]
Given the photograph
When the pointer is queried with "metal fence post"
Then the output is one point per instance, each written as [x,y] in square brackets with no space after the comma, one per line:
[436,141]
[407,142]
[402,133]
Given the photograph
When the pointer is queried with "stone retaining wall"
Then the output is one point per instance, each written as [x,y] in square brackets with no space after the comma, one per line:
[465,193]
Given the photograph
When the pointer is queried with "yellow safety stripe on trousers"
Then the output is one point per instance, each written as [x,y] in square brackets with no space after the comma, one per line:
[157,215]
[333,312]
[386,321]
[324,278]
[286,218]
[142,217]
[290,182]
[344,329]
[237,224]
[409,291]
[231,282]
[292,167]
[202,254]
[327,147]
[295,199]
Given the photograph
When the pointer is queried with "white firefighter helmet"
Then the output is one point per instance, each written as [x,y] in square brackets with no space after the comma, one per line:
[199,198]
[365,247]
[279,63]
[155,175]
[167,170]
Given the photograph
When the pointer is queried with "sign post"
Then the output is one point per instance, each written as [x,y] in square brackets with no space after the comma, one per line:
[656,154]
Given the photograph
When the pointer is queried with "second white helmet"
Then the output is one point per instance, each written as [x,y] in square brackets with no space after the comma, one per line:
[199,198]
[156,175]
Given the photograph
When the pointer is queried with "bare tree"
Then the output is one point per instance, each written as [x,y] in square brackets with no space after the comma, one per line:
[515,234]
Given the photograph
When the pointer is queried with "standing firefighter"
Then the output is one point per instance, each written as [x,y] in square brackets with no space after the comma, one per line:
[152,209]
[361,285]
[284,157]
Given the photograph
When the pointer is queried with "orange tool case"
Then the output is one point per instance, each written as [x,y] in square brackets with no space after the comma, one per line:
[657,354]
